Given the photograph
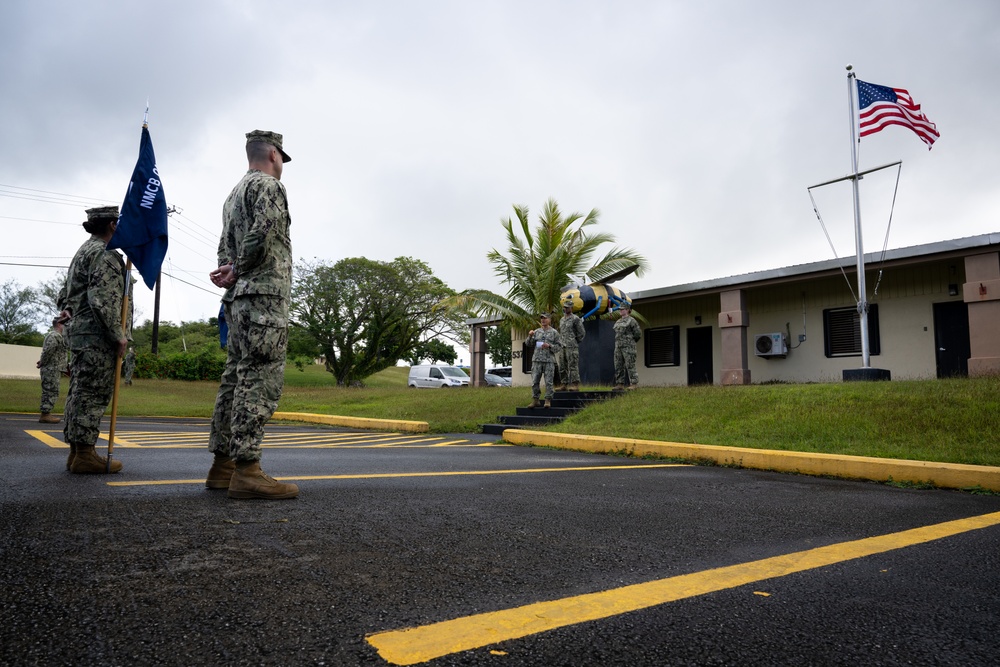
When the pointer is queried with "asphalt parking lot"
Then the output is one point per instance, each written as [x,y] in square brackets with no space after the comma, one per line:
[454,549]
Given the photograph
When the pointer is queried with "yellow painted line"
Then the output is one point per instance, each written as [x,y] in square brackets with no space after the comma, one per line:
[48,439]
[298,478]
[119,441]
[943,475]
[52,442]
[355,422]
[420,644]
[159,440]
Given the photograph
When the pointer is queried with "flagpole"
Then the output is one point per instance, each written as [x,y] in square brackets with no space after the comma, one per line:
[858,242]
[118,367]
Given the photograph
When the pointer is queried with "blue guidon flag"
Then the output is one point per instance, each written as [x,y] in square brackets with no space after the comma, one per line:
[142,225]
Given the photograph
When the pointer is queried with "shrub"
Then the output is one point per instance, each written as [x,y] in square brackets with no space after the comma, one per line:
[203,365]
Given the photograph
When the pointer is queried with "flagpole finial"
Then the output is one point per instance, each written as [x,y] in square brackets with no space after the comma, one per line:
[849,67]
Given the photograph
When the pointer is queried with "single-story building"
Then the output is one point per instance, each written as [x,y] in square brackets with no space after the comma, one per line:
[934,311]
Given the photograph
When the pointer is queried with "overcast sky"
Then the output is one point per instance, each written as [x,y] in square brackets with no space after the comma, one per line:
[694,127]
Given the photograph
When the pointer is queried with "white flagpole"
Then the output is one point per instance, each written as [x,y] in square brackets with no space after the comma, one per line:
[858,242]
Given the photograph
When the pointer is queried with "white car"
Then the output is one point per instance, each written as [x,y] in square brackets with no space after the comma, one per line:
[436,377]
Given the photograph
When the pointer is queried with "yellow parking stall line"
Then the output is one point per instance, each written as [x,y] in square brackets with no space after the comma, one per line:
[351,445]
[270,439]
[145,440]
[390,475]
[451,443]
[412,441]
[119,441]
[414,645]
[52,442]
[47,439]
[154,437]
[163,434]
[284,438]
[157,440]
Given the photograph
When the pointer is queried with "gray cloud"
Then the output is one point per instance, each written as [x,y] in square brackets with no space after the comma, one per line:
[414,127]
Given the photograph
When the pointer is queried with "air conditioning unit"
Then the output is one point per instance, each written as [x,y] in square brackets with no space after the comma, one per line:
[770,345]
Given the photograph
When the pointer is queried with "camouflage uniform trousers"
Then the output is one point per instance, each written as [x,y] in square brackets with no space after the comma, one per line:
[91,385]
[253,378]
[569,365]
[50,388]
[539,369]
[625,353]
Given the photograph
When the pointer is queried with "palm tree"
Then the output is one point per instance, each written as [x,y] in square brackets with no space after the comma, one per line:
[541,263]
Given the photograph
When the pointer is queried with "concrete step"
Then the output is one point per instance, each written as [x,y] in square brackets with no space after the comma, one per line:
[529,420]
[555,411]
[564,403]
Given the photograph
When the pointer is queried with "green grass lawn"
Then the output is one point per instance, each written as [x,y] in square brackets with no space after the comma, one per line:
[956,421]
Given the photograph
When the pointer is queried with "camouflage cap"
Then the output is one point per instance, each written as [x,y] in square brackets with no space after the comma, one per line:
[626,306]
[568,303]
[102,213]
[269,137]
[547,316]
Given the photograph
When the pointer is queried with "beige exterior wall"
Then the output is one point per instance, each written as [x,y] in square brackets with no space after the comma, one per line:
[517,378]
[18,361]
[682,313]
[905,301]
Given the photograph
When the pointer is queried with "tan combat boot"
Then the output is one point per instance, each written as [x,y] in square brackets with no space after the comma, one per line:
[249,481]
[87,462]
[72,455]
[618,387]
[561,387]
[575,386]
[633,386]
[534,403]
[48,418]
[548,403]
[221,472]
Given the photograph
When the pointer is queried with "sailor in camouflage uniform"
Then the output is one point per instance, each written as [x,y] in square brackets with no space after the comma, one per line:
[92,302]
[546,343]
[571,333]
[52,366]
[128,366]
[627,334]
[255,267]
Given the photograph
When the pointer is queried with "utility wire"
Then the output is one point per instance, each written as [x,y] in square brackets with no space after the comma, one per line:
[64,266]
[51,222]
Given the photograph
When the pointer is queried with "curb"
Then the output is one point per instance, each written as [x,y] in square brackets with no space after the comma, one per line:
[354,422]
[942,475]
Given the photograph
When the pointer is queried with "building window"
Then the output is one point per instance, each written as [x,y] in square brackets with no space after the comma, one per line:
[842,331]
[662,346]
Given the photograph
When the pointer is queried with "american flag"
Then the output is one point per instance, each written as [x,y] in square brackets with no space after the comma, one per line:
[882,106]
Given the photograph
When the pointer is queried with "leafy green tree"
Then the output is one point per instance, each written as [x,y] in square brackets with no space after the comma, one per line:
[19,312]
[192,337]
[433,351]
[498,345]
[47,292]
[539,263]
[366,315]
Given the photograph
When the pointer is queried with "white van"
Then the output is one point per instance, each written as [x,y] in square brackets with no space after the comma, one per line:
[437,377]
